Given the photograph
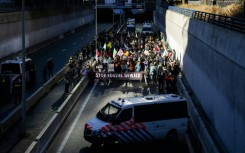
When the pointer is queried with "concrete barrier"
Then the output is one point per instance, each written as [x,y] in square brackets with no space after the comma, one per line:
[8,122]
[35,97]
[47,134]
[197,126]
[33,148]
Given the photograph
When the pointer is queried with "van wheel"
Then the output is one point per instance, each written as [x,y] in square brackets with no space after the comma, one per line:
[172,136]
[95,147]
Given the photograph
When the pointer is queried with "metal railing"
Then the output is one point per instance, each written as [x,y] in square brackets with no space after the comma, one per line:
[237,24]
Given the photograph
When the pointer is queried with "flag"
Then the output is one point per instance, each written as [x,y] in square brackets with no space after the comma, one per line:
[126,53]
[104,46]
[109,45]
[120,52]
[125,46]
[96,54]
[114,52]
[157,48]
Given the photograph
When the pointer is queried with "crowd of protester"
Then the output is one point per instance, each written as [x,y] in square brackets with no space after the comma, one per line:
[130,52]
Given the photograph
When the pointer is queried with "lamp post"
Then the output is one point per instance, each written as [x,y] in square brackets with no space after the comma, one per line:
[96,31]
[23,75]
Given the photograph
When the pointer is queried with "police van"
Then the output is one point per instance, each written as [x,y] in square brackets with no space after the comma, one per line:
[139,119]
[11,70]
[147,28]
[131,25]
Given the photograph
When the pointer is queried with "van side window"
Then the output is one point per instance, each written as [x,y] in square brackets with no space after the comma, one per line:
[144,113]
[125,115]
[173,110]
[162,111]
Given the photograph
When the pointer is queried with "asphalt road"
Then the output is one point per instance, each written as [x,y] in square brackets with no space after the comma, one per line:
[70,137]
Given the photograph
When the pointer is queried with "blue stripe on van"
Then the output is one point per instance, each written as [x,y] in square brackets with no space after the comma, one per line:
[128,134]
[135,133]
[123,136]
[148,133]
[142,134]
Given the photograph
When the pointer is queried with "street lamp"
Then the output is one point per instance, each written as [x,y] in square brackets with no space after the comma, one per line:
[96,32]
[23,75]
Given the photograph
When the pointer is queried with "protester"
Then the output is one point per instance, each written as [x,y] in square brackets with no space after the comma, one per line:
[67,82]
[50,67]
[148,54]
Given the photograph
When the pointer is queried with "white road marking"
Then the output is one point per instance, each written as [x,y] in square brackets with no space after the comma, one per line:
[76,119]
[63,50]
[188,141]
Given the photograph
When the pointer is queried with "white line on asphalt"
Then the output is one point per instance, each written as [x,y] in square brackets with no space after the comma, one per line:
[76,119]
[63,50]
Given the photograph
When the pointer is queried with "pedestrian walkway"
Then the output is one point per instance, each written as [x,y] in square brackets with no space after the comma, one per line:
[36,119]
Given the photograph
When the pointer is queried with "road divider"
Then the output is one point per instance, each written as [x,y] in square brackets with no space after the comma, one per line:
[42,141]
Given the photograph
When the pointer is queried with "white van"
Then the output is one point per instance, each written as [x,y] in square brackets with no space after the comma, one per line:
[139,119]
[147,28]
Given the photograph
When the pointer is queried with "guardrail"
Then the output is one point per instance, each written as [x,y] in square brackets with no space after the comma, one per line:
[237,24]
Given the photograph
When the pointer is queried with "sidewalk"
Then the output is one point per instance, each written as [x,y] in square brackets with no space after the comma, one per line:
[36,119]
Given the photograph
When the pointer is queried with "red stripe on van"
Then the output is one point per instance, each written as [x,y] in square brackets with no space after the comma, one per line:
[109,127]
[104,129]
[123,127]
[118,129]
[129,125]
[135,124]
[142,125]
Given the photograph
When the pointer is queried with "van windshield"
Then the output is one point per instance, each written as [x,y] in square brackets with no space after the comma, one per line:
[13,68]
[108,113]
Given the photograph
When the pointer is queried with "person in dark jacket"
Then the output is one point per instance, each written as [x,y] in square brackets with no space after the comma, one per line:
[50,67]
[17,91]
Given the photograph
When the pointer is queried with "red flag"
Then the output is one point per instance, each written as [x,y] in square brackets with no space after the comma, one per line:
[97,52]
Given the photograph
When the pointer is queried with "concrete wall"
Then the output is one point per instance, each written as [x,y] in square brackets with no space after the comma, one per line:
[212,60]
[38,29]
